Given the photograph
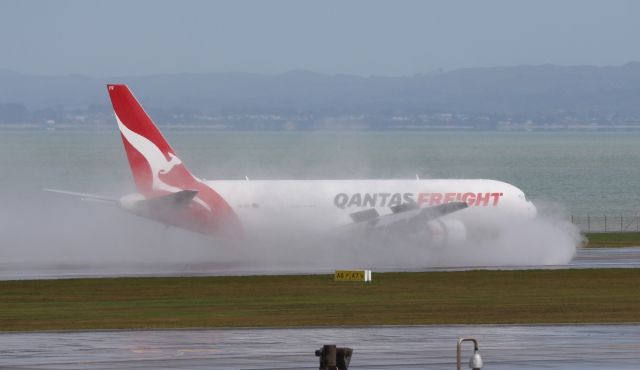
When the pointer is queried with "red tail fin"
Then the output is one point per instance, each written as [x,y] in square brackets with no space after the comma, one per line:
[158,171]
[149,154]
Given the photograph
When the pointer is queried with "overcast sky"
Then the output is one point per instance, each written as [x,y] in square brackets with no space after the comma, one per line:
[118,37]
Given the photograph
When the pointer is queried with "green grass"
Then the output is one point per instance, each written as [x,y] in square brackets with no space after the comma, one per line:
[470,297]
[614,239]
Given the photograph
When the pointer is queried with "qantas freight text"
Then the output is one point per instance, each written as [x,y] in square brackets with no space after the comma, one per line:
[373,200]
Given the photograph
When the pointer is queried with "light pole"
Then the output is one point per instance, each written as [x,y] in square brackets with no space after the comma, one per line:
[476,361]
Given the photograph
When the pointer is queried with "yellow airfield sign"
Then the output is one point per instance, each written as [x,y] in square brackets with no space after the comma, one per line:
[353,275]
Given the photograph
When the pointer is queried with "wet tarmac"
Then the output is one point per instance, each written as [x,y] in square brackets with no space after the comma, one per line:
[607,258]
[408,348]
[421,347]
[585,258]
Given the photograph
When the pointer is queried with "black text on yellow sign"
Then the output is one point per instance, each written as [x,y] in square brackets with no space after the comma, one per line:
[353,275]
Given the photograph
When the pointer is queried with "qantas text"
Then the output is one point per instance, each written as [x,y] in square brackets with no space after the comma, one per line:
[373,200]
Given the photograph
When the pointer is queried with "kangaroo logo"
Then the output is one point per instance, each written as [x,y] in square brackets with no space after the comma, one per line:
[157,161]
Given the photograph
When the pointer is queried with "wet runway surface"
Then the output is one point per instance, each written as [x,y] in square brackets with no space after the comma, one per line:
[607,258]
[586,258]
[422,347]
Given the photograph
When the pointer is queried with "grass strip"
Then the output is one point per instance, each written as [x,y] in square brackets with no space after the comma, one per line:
[613,239]
[467,297]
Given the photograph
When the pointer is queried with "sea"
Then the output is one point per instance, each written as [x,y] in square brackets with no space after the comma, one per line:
[579,173]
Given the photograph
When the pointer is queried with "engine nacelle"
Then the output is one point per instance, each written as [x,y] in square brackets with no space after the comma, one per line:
[445,232]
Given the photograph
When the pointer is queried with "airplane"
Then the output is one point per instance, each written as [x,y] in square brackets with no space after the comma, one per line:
[437,211]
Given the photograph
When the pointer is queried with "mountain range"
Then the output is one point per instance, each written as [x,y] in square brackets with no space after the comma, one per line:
[514,91]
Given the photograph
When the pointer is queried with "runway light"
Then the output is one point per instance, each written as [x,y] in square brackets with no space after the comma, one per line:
[476,361]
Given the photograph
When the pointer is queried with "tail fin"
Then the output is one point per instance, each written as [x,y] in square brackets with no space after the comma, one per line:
[150,155]
[157,171]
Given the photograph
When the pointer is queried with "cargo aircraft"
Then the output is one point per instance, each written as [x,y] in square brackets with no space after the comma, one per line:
[435,212]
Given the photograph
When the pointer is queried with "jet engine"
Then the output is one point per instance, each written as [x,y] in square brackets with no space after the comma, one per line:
[444,232]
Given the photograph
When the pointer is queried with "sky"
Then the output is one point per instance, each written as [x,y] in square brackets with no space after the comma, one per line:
[363,37]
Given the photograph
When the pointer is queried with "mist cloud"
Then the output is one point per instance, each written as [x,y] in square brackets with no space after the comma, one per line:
[63,237]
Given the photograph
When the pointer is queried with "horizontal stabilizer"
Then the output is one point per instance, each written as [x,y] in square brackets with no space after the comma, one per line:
[84,196]
[166,203]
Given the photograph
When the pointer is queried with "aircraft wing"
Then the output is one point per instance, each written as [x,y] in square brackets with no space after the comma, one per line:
[406,219]
[85,196]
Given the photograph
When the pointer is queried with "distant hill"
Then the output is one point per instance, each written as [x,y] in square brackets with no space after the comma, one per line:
[518,91]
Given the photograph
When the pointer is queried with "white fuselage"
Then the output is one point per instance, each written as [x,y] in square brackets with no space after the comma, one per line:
[326,204]
[169,193]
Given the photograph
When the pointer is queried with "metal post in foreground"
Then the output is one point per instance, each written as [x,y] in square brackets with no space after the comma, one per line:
[476,361]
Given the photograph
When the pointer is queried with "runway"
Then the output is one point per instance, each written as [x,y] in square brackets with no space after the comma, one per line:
[628,257]
[408,348]
[607,258]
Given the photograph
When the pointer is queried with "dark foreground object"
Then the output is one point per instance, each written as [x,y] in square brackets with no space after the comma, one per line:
[454,297]
[334,358]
